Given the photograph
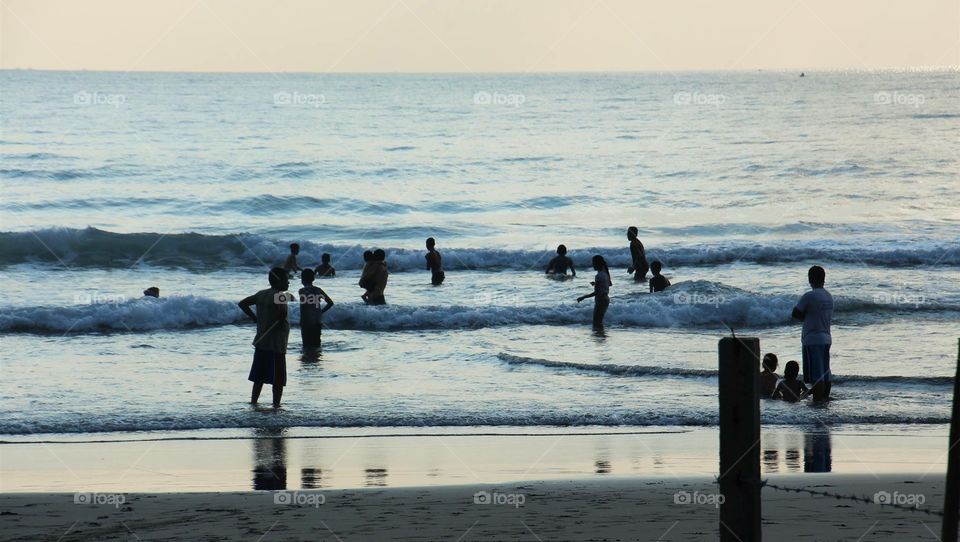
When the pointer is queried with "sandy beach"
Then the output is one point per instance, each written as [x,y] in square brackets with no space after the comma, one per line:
[609,509]
[459,485]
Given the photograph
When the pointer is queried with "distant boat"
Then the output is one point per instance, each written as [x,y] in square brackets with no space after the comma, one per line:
[802,75]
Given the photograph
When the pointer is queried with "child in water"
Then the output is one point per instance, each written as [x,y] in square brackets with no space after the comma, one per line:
[790,388]
[768,376]
[658,282]
[291,266]
[311,324]
[560,263]
[365,275]
[270,343]
[325,270]
[601,291]
[434,262]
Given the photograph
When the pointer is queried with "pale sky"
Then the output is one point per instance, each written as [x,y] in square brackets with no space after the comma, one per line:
[476,35]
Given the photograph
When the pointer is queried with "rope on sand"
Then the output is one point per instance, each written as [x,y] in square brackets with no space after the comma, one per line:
[855,498]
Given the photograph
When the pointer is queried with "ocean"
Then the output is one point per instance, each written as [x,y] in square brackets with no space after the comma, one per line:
[737,181]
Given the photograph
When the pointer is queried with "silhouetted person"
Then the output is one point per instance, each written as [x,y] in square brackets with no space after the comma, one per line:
[658,282]
[325,270]
[768,376]
[434,262]
[638,256]
[560,263]
[601,291]
[815,310]
[378,278]
[311,314]
[365,275]
[152,291]
[291,266]
[790,388]
[273,328]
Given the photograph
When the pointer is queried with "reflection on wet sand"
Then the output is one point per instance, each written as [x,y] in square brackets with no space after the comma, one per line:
[311,478]
[375,477]
[269,461]
[817,455]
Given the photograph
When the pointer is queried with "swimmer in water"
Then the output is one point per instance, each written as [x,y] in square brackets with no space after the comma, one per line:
[560,263]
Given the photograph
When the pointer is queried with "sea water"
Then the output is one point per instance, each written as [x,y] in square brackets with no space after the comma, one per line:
[738,182]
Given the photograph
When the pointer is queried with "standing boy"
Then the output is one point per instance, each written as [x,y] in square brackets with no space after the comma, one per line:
[270,342]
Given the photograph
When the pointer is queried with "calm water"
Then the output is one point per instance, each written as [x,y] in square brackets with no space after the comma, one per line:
[738,182]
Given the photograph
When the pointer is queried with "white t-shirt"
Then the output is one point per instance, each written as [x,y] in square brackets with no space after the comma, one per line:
[601,283]
[817,307]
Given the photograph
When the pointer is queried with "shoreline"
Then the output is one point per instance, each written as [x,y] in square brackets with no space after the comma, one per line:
[310,458]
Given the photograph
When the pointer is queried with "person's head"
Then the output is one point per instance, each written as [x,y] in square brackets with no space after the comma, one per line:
[367,255]
[770,362]
[278,278]
[791,370]
[431,242]
[325,258]
[562,250]
[599,263]
[656,267]
[379,255]
[294,248]
[632,232]
[817,276]
[152,291]
[307,276]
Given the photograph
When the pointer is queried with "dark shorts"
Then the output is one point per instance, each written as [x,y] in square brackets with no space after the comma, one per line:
[816,363]
[268,367]
[437,278]
[311,334]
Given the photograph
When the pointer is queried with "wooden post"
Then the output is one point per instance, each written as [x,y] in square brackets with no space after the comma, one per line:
[951,499]
[740,439]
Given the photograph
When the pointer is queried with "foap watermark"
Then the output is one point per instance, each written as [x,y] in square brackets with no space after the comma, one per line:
[288,298]
[98,298]
[505,299]
[896,498]
[100,499]
[900,297]
[886,97]
[515,500]
[299,498]
[295,98]
[700,499]
[699,98]
[99,98]
[694,298]
[499,98]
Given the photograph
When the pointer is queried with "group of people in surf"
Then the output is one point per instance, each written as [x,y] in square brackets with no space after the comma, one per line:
[814,309]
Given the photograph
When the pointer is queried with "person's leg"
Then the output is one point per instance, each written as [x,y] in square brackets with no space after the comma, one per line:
[277,395]
[255,394]
[279,377]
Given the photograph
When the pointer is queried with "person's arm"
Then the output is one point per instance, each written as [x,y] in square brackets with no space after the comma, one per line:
[651,286]
[591,294]
[800,311]
[327,299]
[633,258]
[245,305]
[778,391]
[573,272]
[429,262]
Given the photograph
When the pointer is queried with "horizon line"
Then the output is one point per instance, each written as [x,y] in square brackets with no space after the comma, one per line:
[862,69]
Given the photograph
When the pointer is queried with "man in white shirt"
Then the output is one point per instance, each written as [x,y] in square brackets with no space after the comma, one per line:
[815,310]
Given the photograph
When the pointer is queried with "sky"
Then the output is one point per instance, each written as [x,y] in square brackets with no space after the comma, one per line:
[477,36]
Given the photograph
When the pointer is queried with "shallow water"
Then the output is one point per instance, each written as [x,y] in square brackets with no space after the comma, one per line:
[196,183]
